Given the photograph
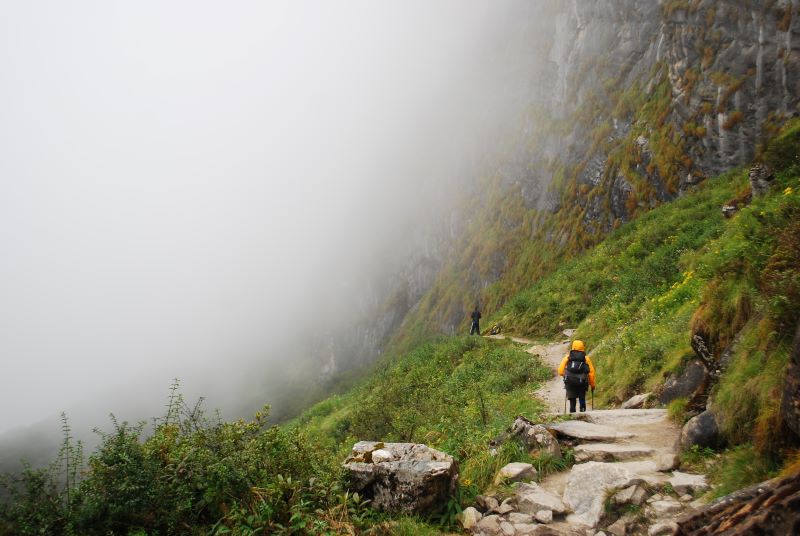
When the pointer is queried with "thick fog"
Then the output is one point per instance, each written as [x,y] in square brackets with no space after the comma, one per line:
[189,186]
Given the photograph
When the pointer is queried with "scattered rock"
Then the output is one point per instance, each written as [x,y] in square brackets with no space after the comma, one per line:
[761,179]
[685,483]
[469,517]
[685,498]
[532,529]
[544,516]
[489,524]
[507,529]
[631,495]
[587,431]
[408,477]
[518,518]
[665,507]
[729,210]
[609,452]
[587,487]
[636,402]
[486,503]
[618,528]
[536,437]
[684,384]
[663,528]
[532,498]
[515,472]
[568,333]
[701,430]
[504,509]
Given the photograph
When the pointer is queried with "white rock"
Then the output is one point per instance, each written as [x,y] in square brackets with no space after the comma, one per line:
[507,529]
[469,517]
[529,529]
[518,518]
[531,498]
[544,516]
[664,528]
[637,401]
[667,462]
[490,524]
[686,498]
[665,507]
[618,528]
[504,509]
[587,431]
[515,472]
[382,455]
[654,498]
[487,502]
[607,452]
[588,485]
[630,495]
[685,483]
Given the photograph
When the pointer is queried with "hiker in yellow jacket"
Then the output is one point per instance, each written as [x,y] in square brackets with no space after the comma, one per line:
[578,372]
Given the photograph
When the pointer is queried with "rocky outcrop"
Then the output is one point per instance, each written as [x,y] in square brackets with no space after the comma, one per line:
[761,179]
[587,488]
[790,404]
[769,509]
[401,477]
[686,384]
[701,430]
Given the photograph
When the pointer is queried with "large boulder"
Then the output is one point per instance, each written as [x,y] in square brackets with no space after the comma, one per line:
[684,483]
[536,437]
[686,384]
[790,405]
[401,477]
[701,430]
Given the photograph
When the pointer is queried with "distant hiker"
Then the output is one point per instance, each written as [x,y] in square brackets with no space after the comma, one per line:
[578,372]
[475,329]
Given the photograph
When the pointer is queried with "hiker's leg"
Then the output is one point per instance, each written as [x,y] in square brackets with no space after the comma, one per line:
[572,405]
[582,398]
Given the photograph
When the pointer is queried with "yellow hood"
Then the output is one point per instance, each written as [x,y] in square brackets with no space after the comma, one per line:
[578,345]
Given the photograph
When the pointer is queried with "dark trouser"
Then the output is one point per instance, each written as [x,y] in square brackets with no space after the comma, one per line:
[582,399]
[475,329]
[574,393]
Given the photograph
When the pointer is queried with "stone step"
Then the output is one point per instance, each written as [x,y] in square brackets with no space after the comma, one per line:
[587,431]
[611,452]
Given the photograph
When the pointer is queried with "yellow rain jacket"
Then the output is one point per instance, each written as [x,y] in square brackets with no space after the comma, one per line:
[579,346]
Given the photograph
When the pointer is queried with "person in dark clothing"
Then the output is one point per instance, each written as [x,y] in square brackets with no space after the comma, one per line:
[475,329]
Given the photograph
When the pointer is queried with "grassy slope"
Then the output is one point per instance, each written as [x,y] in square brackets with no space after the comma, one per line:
[635,299]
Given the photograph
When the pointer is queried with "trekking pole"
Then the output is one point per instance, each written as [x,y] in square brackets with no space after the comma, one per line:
[592,398]
[565,402]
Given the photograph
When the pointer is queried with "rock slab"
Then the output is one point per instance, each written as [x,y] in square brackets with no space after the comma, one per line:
[515,472]
[684,483]
[403,477]
[587,487]
[587,431]
[532,498]
[608,452]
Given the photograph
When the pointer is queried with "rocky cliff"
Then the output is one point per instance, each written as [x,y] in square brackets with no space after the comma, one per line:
[630,103]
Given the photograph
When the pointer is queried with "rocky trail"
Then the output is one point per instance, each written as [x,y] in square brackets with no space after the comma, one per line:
[623,481]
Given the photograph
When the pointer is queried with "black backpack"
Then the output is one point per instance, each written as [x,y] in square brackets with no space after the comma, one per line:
[576,373]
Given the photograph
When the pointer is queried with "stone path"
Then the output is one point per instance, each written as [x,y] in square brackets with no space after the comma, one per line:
[627,452]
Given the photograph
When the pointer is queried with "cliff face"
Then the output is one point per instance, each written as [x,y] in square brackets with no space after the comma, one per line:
[631,102]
